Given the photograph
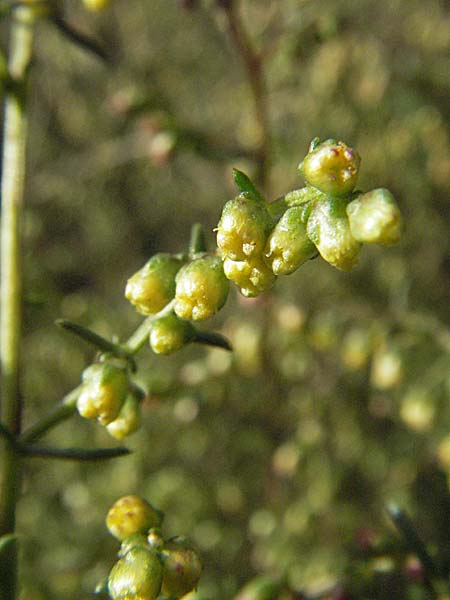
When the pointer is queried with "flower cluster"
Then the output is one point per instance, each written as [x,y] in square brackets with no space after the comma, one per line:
[148,567]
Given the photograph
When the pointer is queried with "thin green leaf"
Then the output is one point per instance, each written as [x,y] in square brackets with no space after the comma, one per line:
[245,185]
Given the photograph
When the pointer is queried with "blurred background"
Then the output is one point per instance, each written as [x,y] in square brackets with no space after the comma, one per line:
[280,457]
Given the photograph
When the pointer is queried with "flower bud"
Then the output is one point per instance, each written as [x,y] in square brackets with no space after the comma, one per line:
[103,392]
[201,289]
[331,167]
[136,540]
[169,334]
[243,228]
[374,217]
[252,276]
[153,286]
[288,245]
[96,5]
[136,576]
[329,229]
[182,569]
[128,421]
[262,587]
[130,515]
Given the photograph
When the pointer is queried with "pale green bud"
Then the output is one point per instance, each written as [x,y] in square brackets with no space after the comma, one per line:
[288,245]
[252,276]
[331,167]
[201,289]
[182,569]
[169,334]
[128,420]
[153,286]
[329,229]
[96,5]
[103,392]
[130,515]
[243,228]
[374,217]
[136,576]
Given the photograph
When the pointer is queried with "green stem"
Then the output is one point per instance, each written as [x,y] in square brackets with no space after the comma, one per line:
[198,242]
[13,177]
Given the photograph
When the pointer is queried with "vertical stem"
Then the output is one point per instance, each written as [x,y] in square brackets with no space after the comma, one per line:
[253,64]
[12,188]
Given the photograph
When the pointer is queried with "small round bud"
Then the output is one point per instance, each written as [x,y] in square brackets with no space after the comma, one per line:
[182,569]
[375,218]
[130,515]
[138,540]
[288,245]
[96,5]
[201,289]
[105,387]
[169,334]
[136,576]
[153,286]
[252,276]
[155,538]
[331,167]
[329,229]
[243,228]
[128,421]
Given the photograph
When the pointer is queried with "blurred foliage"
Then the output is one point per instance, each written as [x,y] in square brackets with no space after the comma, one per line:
[281,457]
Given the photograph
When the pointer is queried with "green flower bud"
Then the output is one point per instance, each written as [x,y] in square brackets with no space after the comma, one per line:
[136,576]
[130,515]
[169,334]
[201,290]
[288,246]
[105,387]
[252,276]
[138,540]
[331,167]
[153,286]
[155,538]
[96,5]
[129,419]
[329,229]
[182,569]
[374,217]
[243,228]
[262,587]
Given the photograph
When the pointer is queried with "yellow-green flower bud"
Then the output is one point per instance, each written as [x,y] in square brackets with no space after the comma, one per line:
[169,334]
[96,5]
[201,290]
[252,276]
[103,392]
[155,538]
[136,576]
[134,541]
[129,419]
[182,569]
[130,515]
[329,229]
[262,587]
[243,228]
[375,218]
[331,167]
[288,245]
[153,286]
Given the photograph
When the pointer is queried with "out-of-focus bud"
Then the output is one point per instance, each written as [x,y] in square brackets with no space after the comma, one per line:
[356,348]
[387,368]
[153,286]
[329,229]
[417,409]
[136,576]
[331,167]
[155,538]
[288,245]
[243,228]
[262,587]
[169,334]
[96,5]
[375,218]
[201,289]
[130,515]
[252,276]
[103,392]
[182,569]
[128,421]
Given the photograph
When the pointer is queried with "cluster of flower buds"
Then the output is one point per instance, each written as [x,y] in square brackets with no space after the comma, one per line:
[148,567]
[326,217]
[107,394]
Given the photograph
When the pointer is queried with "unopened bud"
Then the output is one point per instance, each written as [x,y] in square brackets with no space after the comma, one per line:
[96,5]
[169,334]
[252,276]
[128,421]
[182,569]
[375,218]
[130,515]
[136,576]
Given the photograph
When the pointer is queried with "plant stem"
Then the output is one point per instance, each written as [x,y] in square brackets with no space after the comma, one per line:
[253,64]
[13,177]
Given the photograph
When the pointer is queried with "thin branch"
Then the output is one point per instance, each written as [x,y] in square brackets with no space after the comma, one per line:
[211,338]
[78,454]
[79,38]
[198,242]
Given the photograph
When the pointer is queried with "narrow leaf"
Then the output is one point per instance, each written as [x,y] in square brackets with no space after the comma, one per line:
[245,184]
[77,454]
